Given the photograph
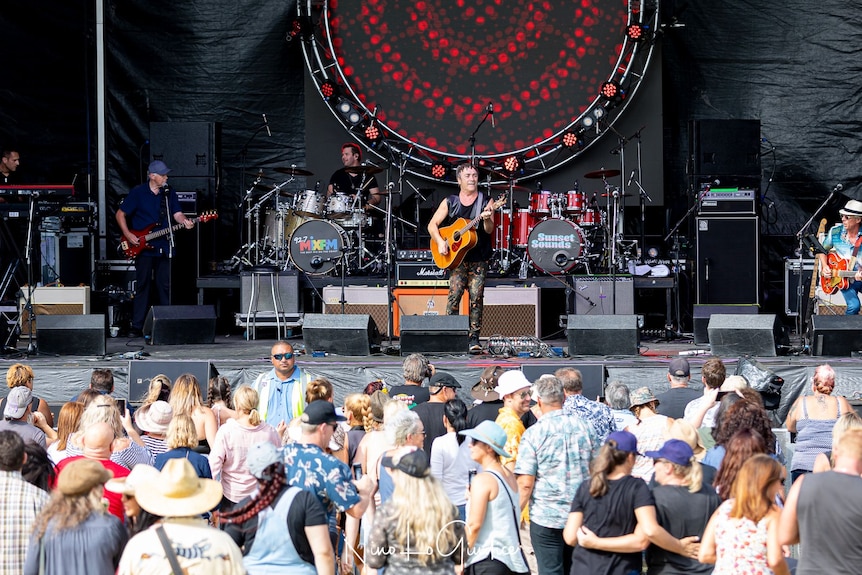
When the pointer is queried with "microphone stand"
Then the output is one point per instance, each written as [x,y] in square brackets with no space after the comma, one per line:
[473,136]
[243,155]
[166,192]
[28,257]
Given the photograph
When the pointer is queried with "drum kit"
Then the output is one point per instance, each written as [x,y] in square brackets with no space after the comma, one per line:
[558,231]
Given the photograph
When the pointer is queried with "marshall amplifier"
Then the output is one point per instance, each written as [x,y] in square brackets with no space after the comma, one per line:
[420,274]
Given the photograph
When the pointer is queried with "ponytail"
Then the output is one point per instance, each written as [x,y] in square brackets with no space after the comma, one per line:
[608,459]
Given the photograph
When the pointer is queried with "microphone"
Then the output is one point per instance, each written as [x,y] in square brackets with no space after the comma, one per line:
[838,187]
[265,123]
[631,177]
[166,189]
[490,110]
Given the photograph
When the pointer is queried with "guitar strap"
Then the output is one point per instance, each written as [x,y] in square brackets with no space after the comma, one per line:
[478,205]
[856,247]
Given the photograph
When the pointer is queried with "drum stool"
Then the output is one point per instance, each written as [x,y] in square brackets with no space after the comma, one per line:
[257,273]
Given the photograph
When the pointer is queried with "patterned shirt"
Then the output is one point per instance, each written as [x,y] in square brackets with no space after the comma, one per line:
[514,428]
[836,239]
[598,415]
[310,468]
[20,503]
[556,450]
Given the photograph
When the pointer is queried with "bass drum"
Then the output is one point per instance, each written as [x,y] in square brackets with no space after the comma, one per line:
[554,246]
[317,246]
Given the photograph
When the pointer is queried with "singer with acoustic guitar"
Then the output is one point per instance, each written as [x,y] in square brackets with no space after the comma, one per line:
[149,203]
[468,204]
[840,267]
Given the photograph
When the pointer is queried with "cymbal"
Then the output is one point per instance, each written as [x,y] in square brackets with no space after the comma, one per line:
[370,170]
[611,195]
[506,188]
[601,174]
[294,171]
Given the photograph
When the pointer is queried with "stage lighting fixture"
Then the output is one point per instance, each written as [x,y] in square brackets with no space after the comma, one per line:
[588,121]
[513,165]
[610,90]
[348,112]
[636,32]
[373,133]
[439,170]
[571,140]
[599,112]
[328,89]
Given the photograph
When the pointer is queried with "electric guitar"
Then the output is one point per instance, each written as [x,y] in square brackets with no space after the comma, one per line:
[146,235]
[461,237]
[840,274]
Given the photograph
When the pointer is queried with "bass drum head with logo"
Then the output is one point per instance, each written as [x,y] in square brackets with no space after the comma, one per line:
[316,246]
[555,245]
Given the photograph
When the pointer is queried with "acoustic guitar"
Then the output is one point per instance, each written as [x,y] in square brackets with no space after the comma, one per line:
[146,235]
[840,274]
[461,237]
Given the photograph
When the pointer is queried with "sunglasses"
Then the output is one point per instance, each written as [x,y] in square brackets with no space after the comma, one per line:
[281,356]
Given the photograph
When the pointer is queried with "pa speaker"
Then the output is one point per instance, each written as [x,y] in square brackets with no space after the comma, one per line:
[735,335]
[435,334]
[837,335]
[603,335]
[347,334]
[592,375]
[142,372]
[180,324]
[72,334]
[702,313]
[728,260]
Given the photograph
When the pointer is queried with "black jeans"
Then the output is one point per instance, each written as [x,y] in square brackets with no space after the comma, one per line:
[553,554]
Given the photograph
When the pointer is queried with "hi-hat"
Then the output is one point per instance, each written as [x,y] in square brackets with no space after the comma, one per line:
[293,171]
[370,170]
[601,174]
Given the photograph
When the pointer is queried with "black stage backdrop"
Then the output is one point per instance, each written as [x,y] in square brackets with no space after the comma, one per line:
[792,65]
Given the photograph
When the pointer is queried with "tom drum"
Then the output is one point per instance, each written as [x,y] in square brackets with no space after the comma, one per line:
[310,204]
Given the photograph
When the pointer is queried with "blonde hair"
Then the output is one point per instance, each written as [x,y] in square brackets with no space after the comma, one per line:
[850,444]
[154,393]
[692,474]
[182,432]
[68,511]
[359,406]
[320,388]
[19,374]
[843,424]
[186,395]
[102,409]
[245,400]
[425,516]
[68,421]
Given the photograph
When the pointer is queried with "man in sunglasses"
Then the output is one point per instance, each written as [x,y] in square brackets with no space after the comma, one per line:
[281,389]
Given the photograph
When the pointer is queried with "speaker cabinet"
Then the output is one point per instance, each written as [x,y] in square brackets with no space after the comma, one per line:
[372,301]
[836,335]
[180,324]
[141,372]
[346,334]
[592,375]
[735,335]
[725,148]
[286,285]
[188,148]
[603,335]
[434,334]
[511,312]
[597,295]
[72,334]
[702,313]
[425,302]
[52,301]
[728,260]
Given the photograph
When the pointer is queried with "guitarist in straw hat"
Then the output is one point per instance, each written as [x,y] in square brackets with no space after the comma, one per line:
[145,205]
[843,242]
[468,203]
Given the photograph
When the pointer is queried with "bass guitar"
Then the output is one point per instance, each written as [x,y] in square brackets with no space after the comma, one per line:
[146,235]
[461,237]
[840,274]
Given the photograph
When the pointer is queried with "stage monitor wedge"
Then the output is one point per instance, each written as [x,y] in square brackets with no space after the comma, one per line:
[429,334]
[342,334]
[835,335]
[603,335]
[72,334]
[180,324]
[734,335]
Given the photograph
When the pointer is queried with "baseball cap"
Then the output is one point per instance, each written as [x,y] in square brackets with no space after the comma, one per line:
[320,411]
[675,451]
[443,379]
[158,167]
[626,441]
[679,367]
[414,463]
[17,401]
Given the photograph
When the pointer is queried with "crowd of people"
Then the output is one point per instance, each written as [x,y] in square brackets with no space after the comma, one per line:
[534,477]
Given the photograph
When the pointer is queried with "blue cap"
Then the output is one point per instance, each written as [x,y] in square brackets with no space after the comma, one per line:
[626,441]
[675,451]
[158,167]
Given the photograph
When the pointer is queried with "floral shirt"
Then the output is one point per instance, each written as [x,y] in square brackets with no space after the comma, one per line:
[514,428]
[598,415]
[557,451]
[310,468]
[740,544]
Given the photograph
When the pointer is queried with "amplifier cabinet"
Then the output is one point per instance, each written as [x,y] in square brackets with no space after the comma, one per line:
[53,301]
[424,301]
[373,301]
[598,295]
[793,287]
[420,274]
[511,312]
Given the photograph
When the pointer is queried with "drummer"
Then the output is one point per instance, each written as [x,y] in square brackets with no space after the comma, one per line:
[351,182]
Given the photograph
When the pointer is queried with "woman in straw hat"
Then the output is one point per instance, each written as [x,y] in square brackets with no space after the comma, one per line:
[74,534]
[651,429]
[281,528]
[181,498]
[137,519]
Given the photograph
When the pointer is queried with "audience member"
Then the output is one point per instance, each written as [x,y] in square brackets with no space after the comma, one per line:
[416,368]
[442,388]
[158,390]
[232,442]
[743,445]
[219,400]
[746,413]
[418,517]
[553,460]
[125,451]
[651,429]
[259,523]
[403,428]
[19,375]
[153,419]
[20,504]
[450,455]
[186,399]
[701,412]
[597,414]
[851,420]
[618,398]
[822,513]
[493,518]
[514,388]
[487,401]
[812,419]
[281,389]
[683,505]
[16,415]
[673,402]
[68,421]
[140,477]
[38,468]
[181,498]
[684,431]
[74,534]
[181,441]
[742,535]
[357,410]
[319,389]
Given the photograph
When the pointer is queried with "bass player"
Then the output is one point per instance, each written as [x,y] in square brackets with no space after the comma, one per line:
[468,203]
[844,240]
[147,204]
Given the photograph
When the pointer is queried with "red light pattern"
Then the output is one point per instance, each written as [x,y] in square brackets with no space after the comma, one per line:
[432,67]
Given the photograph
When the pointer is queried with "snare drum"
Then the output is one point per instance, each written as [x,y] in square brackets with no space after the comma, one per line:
[554,246]
[317,246]
[590,218]
[338,206]
[310,204]
[576,202]
[539,202]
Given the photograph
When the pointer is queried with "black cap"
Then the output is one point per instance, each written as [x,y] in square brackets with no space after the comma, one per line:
[320,411]
[443,379]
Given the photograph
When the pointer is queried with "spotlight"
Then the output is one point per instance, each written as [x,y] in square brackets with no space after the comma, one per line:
[373,133]
[610,90]
[513,165]
[328,89]
[599,112]
[571,140]
[439,170]
[588,121]
[637,32]
[348,112]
